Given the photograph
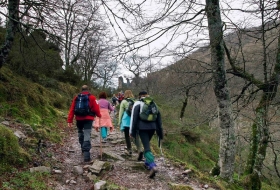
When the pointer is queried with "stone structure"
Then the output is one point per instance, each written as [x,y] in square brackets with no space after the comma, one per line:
[122,85]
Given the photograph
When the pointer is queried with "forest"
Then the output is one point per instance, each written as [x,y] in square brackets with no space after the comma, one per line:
[212,66]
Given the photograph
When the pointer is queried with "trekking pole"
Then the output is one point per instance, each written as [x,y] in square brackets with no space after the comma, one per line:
[159,144]
[100,139]
[100,145]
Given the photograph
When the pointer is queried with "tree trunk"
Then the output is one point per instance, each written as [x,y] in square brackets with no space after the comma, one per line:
[260,129]
[227,134]
[185,103]
[12,28]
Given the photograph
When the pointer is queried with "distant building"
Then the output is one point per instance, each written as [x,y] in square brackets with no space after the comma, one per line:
[122,85]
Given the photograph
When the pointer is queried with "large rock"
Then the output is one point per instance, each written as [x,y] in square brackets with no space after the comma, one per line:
[19,134]
[40,169]
[100,185]
[112,155]
[96,167]
[78,170]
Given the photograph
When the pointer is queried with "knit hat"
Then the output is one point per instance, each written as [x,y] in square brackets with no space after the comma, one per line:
[142,93]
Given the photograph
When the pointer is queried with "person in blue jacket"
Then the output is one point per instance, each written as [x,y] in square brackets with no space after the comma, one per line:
[124,121]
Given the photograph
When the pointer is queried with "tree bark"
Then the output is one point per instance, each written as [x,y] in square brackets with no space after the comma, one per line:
[260,129]
[227,134]
[185,103]
[12,28]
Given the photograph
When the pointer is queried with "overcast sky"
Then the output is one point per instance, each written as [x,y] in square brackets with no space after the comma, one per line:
[230,14]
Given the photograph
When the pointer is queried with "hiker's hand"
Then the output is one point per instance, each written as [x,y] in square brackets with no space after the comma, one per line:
[97,129]
[70,125]
[111,129]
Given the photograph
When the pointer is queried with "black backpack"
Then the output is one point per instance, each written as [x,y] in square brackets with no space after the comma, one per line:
[82,105]
[128,110]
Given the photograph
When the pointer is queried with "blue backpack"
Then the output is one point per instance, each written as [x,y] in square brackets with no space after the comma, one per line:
[82,105]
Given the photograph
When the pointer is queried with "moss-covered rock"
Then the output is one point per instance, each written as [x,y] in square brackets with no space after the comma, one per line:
[175,186]
[11,154]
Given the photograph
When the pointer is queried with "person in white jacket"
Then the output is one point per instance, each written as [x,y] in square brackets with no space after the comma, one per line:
[146,130]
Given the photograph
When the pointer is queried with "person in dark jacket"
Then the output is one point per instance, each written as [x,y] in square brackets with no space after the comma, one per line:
[146,130]
[114,100]
[84,123]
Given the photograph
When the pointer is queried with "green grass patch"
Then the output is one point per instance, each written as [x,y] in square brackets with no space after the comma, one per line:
[27,181]
[11,154]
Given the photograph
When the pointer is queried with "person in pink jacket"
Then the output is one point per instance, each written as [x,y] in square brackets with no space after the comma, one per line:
[105,121]
[84,123]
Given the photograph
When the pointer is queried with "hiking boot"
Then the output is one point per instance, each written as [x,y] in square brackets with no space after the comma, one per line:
[104,140]
[87,160]
[153,172]
[87,157]
[140,156]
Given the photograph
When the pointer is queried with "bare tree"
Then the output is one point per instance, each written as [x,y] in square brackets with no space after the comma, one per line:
[170,20]
[73,21]
[137,65]
[106,72]
[227,134]
[264,83]
[91,56]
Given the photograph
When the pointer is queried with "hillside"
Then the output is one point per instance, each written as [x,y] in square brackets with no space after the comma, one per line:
[40,111]
[39,114]
[251,65]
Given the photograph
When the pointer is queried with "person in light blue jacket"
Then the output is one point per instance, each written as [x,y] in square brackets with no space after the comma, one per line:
[124,121]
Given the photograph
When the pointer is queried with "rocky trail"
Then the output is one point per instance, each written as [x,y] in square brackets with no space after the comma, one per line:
[110,168]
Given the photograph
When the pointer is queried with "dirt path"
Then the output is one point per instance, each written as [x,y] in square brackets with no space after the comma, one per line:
[126,172]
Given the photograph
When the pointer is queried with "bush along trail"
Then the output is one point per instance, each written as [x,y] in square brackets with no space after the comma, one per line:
[111,166]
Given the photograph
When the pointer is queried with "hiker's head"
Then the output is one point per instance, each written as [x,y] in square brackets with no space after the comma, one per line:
[128,94]
[143,94]
[102,95]
[85,88]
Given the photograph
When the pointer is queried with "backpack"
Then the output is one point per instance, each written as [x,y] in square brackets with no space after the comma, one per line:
[149,110]
[82,105]
[128,110]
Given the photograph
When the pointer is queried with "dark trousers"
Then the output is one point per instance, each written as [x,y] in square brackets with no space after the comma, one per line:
[84,132]
[127,138]
[146,136]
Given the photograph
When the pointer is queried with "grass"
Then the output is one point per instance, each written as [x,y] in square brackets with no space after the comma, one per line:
[26,181]
[12,154]
[41,113]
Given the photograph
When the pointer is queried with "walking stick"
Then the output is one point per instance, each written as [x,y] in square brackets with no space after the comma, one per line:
[100,140]
[100,146]
[159,144]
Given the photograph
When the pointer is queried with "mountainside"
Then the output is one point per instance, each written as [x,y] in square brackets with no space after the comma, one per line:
[35,118]
[251,64]
[184,94]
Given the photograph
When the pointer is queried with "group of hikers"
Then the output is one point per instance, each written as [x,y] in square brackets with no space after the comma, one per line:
[139,120]
[117,99]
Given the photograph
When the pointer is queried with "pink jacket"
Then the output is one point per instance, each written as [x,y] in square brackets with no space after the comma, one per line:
[105,120]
